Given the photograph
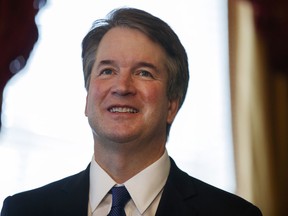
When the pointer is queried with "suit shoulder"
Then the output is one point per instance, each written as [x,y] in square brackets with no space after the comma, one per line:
[53,194]
[61,184]
[225,201]
[207,198]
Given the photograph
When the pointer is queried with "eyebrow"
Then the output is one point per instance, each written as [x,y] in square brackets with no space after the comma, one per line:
[106,62]
[146,64]
[137,65]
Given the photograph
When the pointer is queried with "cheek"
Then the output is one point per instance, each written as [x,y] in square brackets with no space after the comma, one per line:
[156,96]
[97,90]
[93,97]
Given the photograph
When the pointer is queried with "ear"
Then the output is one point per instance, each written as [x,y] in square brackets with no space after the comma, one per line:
[173,106]
[86,111]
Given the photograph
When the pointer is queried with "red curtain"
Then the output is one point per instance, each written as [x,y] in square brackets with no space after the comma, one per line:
[18,34]
[271,19]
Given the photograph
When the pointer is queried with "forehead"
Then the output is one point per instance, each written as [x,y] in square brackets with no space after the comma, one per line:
[129,44]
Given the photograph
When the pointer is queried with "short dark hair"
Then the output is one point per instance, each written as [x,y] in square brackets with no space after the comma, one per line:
[153,27]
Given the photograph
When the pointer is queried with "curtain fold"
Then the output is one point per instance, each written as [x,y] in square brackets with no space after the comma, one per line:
[18,34]
[259,96]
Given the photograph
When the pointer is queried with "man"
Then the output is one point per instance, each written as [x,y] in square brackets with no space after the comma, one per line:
[136,75]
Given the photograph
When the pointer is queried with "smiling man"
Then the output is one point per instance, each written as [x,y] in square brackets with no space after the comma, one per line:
[136,75]
[127,105]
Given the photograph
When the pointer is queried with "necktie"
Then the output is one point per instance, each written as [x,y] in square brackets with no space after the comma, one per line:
[120,197]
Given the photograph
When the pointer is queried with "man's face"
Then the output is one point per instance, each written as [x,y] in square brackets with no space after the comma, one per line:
[127,99]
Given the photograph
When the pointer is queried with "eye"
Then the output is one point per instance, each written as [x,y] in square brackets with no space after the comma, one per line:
[106,71]
[145,73]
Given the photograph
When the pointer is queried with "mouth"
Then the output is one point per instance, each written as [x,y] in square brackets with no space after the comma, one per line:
[116,109]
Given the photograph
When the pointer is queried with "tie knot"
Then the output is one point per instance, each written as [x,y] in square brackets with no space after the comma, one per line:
[120,196]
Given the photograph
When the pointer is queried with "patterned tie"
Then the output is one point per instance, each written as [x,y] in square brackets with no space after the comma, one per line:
[120,197]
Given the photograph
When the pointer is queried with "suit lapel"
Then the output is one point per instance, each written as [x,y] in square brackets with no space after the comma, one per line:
[176,200]
[75,194]
[178,194]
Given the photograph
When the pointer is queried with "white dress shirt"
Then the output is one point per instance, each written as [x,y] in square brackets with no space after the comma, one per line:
[145,189]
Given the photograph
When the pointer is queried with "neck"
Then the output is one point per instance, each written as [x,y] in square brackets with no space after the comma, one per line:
[125,160]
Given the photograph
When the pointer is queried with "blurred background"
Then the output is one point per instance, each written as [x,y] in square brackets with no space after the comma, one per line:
[232,131]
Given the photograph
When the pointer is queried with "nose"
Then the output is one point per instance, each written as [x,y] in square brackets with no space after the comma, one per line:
[124,84]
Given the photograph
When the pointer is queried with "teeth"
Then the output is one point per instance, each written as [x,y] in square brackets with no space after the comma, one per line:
[122,110]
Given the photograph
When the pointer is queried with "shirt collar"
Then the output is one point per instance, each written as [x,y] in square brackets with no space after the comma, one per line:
[146,185]
[143,187]
[100,184]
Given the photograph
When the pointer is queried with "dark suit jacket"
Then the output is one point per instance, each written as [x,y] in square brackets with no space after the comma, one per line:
[183,195]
